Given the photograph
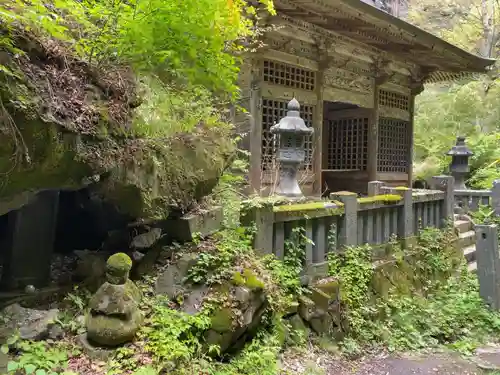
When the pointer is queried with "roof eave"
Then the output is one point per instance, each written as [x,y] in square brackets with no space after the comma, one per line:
[476,64]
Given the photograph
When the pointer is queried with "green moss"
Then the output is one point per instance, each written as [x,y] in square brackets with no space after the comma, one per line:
[119,264]
[238,279]
[303,207]
[252,281]
[222,320]
[248,279]
[401,188]
[385,198]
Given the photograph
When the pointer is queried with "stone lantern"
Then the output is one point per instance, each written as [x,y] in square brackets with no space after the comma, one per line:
[291,132]
[459,166]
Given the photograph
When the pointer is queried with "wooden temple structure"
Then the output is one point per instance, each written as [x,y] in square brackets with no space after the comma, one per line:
[355,70]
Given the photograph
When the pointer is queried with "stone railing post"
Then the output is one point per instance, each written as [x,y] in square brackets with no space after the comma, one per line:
[375,188]
[406,226]
[348,228]
[488,264]
[263,218]
[445,184]
[495,197]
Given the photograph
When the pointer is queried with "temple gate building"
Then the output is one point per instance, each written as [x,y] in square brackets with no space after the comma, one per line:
[355,69]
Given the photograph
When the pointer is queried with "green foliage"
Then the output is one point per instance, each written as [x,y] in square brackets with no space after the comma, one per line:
[188,42]
[258,357]
[286,272]
[228,191]
[440,306]
[460,110]
[216,264]
[355,270]
[173,336]
[38,358]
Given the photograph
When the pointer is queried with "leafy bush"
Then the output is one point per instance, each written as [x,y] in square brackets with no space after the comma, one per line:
[442,114]
[195,43]
[442,306]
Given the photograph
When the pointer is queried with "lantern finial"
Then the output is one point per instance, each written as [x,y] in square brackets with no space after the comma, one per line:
[293,105]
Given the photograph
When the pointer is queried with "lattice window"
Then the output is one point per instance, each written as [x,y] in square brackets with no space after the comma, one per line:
[288,75]
[393,145]
[394,100]
[272,112]
[347,143]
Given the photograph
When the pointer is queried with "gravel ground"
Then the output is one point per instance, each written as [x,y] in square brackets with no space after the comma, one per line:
[316,362]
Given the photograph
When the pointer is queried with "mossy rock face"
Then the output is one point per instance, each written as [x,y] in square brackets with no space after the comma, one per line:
[222,320]
[77,125]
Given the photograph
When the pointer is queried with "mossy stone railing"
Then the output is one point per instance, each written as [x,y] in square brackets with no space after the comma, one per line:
[347,220]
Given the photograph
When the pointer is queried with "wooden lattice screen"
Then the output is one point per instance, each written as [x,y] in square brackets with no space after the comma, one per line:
[394,145]
[394,100]
[288,75]
[272,112]
[347,143]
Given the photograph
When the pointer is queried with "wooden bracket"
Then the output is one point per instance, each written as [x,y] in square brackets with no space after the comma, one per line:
[382,72]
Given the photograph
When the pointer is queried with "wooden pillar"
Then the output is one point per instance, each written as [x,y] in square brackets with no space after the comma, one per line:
[373,136]
[416,88]
[255,127]
[318,134]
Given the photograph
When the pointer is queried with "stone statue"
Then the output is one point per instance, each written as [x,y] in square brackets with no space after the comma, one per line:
[114,316]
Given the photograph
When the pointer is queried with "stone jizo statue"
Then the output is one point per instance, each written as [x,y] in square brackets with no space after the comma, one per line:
[114,316]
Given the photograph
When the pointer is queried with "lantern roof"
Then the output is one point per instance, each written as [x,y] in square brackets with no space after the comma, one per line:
[292,122]
[460,148]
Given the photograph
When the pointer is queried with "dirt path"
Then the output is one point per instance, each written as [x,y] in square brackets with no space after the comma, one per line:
[313,362]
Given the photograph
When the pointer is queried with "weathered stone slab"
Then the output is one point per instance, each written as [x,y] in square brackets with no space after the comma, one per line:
[203,223]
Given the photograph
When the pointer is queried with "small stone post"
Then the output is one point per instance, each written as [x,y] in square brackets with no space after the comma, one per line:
[291,131]
[459,166]
[495,197]
[264,221]
[348,228]
[488,264]
[375,188]
[445,184]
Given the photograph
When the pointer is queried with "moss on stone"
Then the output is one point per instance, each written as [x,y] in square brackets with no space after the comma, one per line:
[222,320]
[251,280]
[113,331]
[248,278]
[238,279]
[119,264]
[384,198]
[307,207]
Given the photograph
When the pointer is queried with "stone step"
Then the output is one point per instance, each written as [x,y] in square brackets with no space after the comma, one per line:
[463,226]
[467,239]
[470,254]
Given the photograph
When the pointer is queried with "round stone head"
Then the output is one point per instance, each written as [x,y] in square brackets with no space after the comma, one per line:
[118,268]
